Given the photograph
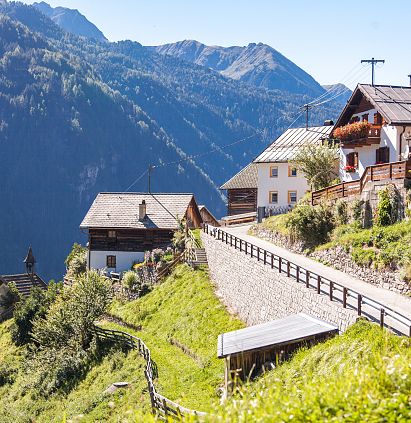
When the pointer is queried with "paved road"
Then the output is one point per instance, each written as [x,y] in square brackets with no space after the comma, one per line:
[397,302]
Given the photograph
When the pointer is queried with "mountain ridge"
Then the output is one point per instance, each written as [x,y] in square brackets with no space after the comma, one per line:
[257,64]
[71,20]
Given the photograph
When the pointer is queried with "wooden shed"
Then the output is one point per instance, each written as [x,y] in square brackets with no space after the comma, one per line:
[247,351]
[242,191]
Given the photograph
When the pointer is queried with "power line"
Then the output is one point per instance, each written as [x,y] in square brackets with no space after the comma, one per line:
[136,181]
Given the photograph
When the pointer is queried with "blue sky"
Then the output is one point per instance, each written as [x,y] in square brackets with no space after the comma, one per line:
[326,38]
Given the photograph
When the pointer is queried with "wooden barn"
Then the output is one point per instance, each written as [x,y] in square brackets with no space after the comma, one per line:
[123,226]
[250,350]
[207,216]
[242,191]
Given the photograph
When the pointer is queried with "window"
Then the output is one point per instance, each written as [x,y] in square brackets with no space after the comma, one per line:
[273,171]
[377,118]
[111,234]
[382,155]
[111,262]
[352,159]
[292,171]
[365,117]
[273,197]
[292,197]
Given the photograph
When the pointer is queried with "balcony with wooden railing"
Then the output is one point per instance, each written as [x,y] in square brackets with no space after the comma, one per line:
[358,134]
[379,172]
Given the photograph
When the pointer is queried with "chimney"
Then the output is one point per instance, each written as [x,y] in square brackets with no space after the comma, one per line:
[142,210]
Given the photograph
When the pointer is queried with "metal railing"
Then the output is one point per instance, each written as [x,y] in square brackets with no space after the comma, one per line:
[164,408]
[349,298]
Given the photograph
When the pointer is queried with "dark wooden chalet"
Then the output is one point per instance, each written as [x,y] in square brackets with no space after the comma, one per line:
[207,216]
[242,191]
[122,226]
[248,351]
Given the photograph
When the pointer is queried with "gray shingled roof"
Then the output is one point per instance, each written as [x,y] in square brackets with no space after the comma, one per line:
[394,103]
[245,178]
[120,210]
[275,333]
[24,282]
[286,146]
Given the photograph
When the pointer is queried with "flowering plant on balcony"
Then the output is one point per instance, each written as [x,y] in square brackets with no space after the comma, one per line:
[352,131]
[349,169]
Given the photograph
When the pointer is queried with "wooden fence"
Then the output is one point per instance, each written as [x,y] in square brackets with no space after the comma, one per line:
[349,298]
[381,172]
[164,408]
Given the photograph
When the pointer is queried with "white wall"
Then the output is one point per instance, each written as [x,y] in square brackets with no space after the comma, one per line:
[282,184]
[367,154]
[124,260]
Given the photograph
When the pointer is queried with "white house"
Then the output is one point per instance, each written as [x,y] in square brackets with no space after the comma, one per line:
[123,226]
[384,112]
[280,184]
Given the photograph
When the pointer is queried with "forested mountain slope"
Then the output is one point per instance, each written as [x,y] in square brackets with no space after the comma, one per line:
[79,116]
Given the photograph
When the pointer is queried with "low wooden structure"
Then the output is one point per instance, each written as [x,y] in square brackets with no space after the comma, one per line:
[239,219]
[242,191]
[248,351]
[381,172]
[207,216]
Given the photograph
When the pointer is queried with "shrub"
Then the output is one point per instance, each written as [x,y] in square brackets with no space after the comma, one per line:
[341,212]
[388,208]
[64,337]
[76,261]
[27,310]
[356,211]
[130,280]
[311,225]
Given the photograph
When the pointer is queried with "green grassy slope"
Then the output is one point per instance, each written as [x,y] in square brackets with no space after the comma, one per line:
[185,311]
[361,376]
[87,401]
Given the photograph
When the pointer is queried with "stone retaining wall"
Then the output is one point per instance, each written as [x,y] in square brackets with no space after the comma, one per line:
[339,259]
[258,293]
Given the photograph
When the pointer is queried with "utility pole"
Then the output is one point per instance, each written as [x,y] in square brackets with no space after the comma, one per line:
[373,62]
[306,107]
[150,168]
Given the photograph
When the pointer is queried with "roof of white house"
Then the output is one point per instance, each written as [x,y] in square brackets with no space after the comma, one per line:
[394,103]
[245,178]
[286,146]
[121,210]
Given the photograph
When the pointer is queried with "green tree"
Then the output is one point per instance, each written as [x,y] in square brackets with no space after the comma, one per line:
[318,162]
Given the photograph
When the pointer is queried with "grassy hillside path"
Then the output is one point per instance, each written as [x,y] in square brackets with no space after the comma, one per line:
[390,299]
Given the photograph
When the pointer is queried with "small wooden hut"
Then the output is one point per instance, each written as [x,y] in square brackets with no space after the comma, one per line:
[250,350]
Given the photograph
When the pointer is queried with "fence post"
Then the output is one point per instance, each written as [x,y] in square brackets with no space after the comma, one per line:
[344,297]
[359,304]
[307,278]
[280,260]
[258,253]
[318,284]
[288,269]
[272,261]
[241,244]
[382,314]
[298,273]
[331,291]
[252,247]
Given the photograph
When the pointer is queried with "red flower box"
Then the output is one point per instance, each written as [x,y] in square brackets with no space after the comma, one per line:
[349,169]
[352,131]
